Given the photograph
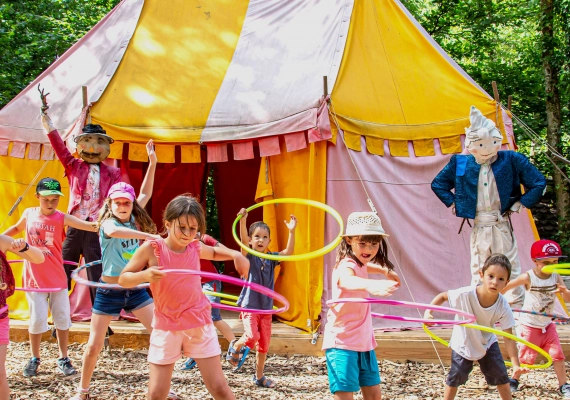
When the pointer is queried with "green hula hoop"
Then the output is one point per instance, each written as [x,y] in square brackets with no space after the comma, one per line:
[504,334]
[295,257]
[226,296]
[560,269]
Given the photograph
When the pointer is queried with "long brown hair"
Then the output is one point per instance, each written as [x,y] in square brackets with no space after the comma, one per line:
[185,204]
[143,221]
[381,258]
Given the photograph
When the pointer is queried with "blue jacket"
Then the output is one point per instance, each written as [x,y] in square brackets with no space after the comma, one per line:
[511,169]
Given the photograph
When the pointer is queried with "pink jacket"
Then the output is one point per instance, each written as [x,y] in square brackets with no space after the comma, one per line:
[77,170]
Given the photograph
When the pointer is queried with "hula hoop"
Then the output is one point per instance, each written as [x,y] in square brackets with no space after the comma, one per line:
[226,296]
[469,317]
[113,286]
[40,290]
[4,309]
[506,335]
[543,314]
[224,278]
[560,269]
[295,257]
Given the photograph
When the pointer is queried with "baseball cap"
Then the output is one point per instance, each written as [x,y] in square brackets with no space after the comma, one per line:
[48,186]
[122,189]
[545,249]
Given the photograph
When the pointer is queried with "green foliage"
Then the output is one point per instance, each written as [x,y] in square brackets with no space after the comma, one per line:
[33,33]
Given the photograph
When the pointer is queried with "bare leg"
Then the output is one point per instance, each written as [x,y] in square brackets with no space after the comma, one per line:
[214,378]
[450,392]
[560,370]
[260,366]
[371,392]
[99,325]
[145,316]
[35,341]
[343,396]
[159,381]
[62,341]
[505,391]
[4,388]
[225,330]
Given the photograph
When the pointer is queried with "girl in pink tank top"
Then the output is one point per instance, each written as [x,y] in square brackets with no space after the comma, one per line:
[182,322]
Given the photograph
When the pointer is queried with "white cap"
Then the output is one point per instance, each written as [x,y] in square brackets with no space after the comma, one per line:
[364,223]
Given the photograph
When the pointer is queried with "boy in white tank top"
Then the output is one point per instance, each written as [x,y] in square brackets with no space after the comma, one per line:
[541,289]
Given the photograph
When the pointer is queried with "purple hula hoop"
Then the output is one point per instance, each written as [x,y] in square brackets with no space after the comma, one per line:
[469,317]
[39,290]
[113,286]
[228,279]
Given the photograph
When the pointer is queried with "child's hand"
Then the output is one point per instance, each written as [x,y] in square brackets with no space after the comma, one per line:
[150,151]
[520,369]
[153,236]
[18,244]
[153,274]
[427,315]
[292,224]
[561,288]
[382,288]
[243,213]
[46,122]
[394,277]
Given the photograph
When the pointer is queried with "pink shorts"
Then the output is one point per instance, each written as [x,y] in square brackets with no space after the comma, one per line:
[548,341]
[4,331]
[257,331]
[166,347]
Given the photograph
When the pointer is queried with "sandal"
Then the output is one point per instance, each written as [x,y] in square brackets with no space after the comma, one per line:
[82,394]
[264,382]
[230,357]
[172,395]
[244,352]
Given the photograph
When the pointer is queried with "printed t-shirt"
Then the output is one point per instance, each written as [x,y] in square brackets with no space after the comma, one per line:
[46,232]
[90,204]
[349,325]
[179,303]
[116,252]
[262,272]
[539,298]
[473,344]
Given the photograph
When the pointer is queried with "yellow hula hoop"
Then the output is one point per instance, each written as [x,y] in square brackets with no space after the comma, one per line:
[226,296]
[560,269]
[295,257]
[504,334]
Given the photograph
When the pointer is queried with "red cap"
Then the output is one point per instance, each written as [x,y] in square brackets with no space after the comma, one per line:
[545,249]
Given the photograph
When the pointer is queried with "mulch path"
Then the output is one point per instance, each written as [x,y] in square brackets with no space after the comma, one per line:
[123,374]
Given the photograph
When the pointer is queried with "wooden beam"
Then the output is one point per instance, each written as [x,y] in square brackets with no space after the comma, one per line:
[495,91]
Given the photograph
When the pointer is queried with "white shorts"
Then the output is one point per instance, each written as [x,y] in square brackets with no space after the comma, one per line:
[41,303]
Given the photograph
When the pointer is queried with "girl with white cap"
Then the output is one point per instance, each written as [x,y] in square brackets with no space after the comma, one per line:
[349,337]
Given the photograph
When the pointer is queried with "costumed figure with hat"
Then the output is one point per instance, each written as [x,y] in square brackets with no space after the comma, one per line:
[485,186]
[89,181]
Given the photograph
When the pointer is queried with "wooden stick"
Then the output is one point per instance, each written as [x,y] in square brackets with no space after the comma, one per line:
[495,91]
[325,86]
[86,102]
[509,102]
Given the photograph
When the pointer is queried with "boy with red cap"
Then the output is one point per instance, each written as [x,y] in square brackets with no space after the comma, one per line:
[541,288]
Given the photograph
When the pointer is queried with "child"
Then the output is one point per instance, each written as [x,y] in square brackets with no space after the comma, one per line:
[120,220]
[468,345]
[541,289]
[29,253]
[44,226]
[257,327]
[349,341]
[182,320]
[213,286]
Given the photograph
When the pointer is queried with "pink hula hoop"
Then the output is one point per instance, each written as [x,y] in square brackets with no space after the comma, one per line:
[113,286]
[470,318]
[3,309]
[228,279]
[39,290]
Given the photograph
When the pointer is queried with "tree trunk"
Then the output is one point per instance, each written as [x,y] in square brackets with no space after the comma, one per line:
[553,115]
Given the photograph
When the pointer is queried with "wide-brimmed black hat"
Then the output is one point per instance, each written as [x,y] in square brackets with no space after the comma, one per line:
[93,129]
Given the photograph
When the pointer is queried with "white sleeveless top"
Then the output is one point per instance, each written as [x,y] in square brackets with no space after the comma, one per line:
[540,298]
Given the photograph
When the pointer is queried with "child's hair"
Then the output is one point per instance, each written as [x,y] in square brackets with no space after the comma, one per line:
[258,224]
[143,221]
[497,259]
[185,204]
[381,258]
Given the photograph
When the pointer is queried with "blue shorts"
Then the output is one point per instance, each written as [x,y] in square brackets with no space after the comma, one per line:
[350,370]
[214,286]
[111,302]
[492,366]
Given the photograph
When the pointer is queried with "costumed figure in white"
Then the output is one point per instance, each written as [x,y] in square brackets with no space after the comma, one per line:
[487,189]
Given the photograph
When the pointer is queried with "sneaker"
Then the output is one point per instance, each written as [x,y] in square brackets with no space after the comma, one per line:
[188,364]
[31,368]
[65,366]
[514,384]
[565,390]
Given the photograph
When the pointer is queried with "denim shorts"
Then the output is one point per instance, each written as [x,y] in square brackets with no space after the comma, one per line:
[214,286]
[492,366]
[350,370]
[111,302]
